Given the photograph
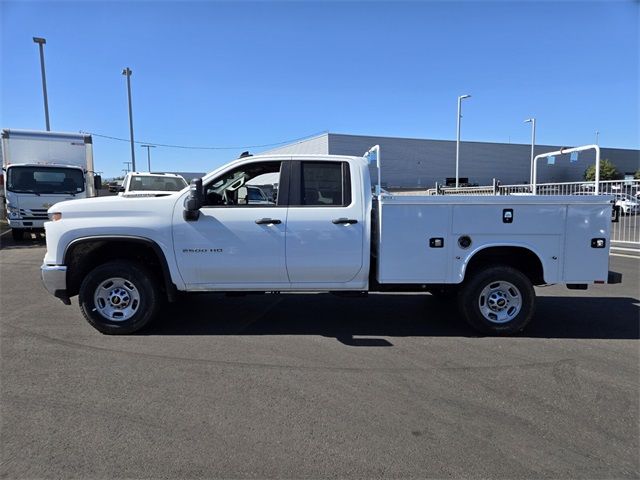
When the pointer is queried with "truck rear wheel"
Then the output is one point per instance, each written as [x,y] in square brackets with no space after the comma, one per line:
[119,297]
[498,300]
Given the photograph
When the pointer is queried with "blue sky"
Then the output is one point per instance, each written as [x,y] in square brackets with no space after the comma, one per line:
[239,74]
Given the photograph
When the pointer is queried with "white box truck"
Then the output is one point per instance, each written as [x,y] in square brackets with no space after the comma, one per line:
[41,169]
[326,232]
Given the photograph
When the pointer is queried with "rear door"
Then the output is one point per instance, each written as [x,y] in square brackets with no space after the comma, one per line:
[324,238]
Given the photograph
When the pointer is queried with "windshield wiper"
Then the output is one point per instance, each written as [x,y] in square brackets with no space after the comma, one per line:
[57,192]
[23,191]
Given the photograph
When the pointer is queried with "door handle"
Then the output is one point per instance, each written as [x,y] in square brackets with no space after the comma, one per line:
[268,221]
[343,221]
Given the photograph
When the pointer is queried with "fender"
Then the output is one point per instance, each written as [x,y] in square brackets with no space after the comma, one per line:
[171,289]
[480,248]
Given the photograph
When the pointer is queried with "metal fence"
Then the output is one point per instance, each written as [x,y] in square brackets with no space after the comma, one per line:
[626,197]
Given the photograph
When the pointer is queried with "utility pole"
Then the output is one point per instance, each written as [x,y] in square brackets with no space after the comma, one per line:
[127,73]
[41,41]
[148,147]
[598,137]
[128,169]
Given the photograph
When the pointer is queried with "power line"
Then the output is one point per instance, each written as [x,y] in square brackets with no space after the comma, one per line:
[191,147]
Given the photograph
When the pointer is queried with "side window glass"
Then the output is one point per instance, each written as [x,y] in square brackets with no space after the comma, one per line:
[325,184]
[250,185]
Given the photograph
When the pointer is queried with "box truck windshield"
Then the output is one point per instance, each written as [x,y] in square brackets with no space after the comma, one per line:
[39,180]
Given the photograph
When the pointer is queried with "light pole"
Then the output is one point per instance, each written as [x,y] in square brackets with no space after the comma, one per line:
[127,73]
[597,137]
[41,42]
[532,121]
[148,147]
[460,98]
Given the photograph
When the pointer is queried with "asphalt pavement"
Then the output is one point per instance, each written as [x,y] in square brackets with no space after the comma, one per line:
[316,386]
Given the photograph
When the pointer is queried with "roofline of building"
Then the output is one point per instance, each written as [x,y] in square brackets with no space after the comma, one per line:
[302,140]
[466,141]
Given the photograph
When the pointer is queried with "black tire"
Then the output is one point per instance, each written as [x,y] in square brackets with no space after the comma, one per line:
[139,286]
[505,307]
[17,234]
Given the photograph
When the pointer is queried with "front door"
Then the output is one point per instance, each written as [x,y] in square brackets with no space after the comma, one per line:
[235,243]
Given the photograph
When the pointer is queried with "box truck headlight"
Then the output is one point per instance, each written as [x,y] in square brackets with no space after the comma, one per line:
[55,216]
[13,212]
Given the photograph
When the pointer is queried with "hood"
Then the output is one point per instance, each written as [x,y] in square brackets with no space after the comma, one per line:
[147,193]
[110,206]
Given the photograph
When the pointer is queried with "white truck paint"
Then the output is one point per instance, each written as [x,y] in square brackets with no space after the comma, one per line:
[42,169]
[327,233]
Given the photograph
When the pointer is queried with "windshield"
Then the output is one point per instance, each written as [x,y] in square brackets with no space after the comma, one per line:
[161,184]
[45,180]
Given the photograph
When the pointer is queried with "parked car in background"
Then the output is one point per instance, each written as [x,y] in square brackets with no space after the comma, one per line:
[256,196]
[146,184]
[628,205]
[115,186]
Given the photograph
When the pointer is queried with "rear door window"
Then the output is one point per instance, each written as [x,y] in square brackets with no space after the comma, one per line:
[323,184]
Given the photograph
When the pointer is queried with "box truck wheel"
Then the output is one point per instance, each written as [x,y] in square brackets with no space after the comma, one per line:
[498,300]
[119,297]
[17,234]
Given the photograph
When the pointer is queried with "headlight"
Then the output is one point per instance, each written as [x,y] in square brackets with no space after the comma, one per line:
[13,212]
[55,216]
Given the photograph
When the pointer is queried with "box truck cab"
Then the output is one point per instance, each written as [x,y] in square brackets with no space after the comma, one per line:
[42,169]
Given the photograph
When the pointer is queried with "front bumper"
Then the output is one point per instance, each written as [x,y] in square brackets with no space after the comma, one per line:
[36,224]
[54,279]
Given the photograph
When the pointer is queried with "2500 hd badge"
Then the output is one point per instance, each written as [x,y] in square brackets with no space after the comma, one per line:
[201,250]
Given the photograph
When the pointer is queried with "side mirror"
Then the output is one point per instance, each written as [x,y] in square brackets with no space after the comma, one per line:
[194,200]
[97,182]
[121,188]
[243,193]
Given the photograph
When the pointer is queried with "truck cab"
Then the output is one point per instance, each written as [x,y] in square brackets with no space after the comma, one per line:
[42,169]
[237,244]
[31,189]
[150,184]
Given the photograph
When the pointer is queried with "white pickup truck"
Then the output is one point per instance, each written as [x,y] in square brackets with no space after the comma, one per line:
[325,232]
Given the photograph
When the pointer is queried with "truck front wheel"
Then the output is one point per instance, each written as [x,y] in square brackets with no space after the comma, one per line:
[119,297]
[498,300]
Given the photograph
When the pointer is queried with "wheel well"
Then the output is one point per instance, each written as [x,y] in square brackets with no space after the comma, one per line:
[520,258]
[83,256]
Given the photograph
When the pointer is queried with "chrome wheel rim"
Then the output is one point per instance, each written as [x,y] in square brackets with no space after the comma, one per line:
[500,302]
[116,299]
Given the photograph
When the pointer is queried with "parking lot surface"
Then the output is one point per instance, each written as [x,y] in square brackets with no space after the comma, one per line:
[314,386]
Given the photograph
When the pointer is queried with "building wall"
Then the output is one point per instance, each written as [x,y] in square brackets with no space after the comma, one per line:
[314,146]
[408,162]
